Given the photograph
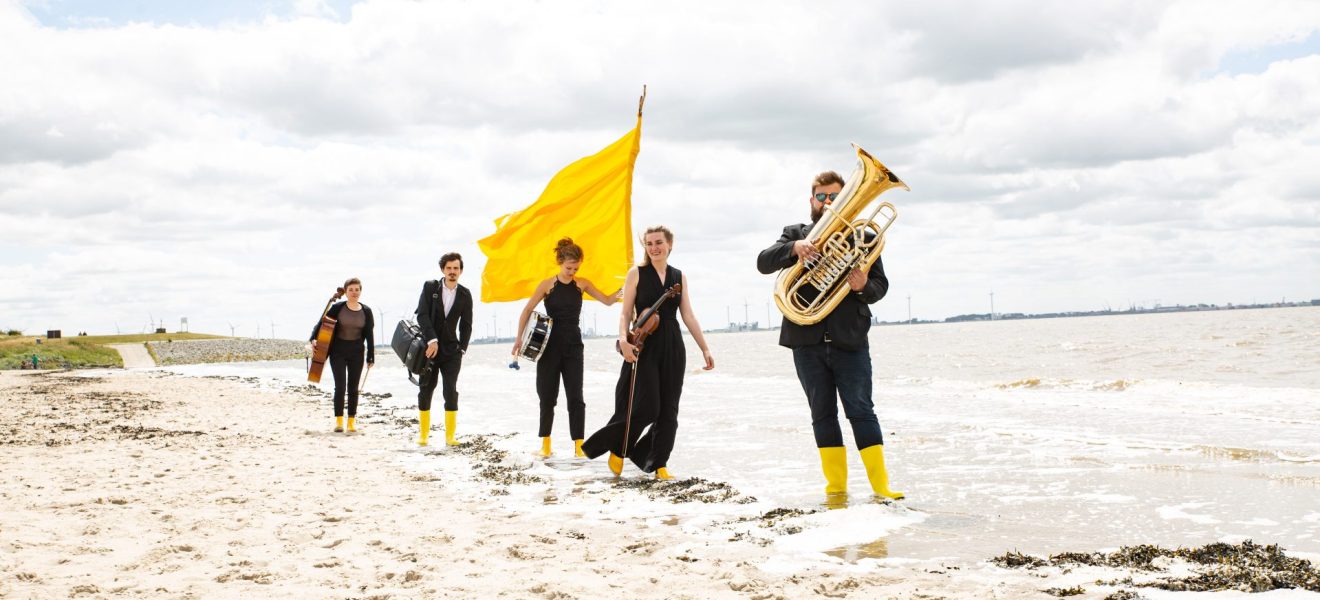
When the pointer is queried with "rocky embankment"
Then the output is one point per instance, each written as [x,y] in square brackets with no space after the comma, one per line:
[188,352]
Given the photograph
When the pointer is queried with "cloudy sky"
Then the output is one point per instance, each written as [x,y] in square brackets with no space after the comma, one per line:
[233,162]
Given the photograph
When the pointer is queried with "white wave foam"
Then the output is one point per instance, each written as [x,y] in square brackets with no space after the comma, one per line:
[1171,513]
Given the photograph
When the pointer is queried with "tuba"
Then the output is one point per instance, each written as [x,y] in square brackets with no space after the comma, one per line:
[807,291]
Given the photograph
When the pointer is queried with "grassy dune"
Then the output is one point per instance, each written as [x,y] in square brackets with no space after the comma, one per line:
[78,352]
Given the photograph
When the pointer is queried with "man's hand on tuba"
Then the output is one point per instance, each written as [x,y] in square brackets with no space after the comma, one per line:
[805,250]
[856,280]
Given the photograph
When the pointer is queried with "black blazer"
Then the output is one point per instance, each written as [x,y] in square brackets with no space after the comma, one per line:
[367,330]
[436,326]
[849,322]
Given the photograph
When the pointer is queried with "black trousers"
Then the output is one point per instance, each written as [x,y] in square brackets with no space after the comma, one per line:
[346,359]
[562,360]
[444,369]
[655,406]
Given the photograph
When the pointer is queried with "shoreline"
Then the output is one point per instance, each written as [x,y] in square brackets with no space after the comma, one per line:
[154,484]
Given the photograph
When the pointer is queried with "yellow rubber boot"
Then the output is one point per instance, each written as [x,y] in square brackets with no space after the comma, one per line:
[545,446]
[663,473]
[577,449]
[616,464]
[352,425]
[451,417]
[425,417]
[339,424]
[874,459]
[834,464]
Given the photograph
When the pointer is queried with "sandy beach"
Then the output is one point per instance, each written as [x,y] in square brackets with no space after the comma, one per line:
[144,484]
[149,484]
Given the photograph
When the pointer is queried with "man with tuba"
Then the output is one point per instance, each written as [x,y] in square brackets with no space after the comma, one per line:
[832,355]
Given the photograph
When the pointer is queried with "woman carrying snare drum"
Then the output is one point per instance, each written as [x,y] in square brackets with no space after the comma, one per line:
[562,357]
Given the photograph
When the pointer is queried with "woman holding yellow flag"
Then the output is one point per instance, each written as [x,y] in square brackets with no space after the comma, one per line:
[562,357]
[658,369]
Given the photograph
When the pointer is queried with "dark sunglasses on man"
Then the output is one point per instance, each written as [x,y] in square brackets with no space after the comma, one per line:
[823,197]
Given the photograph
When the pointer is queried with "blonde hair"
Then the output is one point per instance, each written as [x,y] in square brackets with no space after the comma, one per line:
[566,250]
[669,237]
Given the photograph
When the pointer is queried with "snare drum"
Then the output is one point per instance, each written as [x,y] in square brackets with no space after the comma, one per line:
[536,334]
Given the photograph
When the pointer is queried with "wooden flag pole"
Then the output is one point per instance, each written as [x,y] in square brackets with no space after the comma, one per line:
[632,383]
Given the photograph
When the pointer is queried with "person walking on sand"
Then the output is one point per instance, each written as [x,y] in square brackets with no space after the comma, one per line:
[354,329]
[659,367]
[833,356]
[562,357]
[444,314]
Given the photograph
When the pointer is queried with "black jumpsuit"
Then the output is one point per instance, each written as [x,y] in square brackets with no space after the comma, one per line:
[659,383]
[562,359]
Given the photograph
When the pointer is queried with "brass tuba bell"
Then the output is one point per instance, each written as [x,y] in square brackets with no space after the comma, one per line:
[807,291]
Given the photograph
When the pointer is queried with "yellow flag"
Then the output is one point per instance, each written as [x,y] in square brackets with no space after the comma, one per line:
[589,201]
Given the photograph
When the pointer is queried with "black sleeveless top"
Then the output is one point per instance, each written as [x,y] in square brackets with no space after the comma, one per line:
[649,289]
[563,303]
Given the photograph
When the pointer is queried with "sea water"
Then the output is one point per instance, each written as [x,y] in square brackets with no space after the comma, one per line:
[1071,434]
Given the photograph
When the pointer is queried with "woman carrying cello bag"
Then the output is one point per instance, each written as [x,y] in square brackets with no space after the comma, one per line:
[645,419]
[354,328]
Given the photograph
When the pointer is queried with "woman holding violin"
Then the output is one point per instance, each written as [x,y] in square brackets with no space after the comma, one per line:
[353,328]
[562,357]
[651,380]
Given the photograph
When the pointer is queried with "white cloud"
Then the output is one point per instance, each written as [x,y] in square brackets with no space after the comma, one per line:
[1063,157]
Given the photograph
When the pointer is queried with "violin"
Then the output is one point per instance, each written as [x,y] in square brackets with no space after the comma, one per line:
[324,334]
[647,322]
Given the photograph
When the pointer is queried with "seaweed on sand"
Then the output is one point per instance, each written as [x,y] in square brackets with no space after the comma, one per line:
[1246,567]
[692,489]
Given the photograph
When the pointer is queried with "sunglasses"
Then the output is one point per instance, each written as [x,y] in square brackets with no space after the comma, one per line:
[822,197]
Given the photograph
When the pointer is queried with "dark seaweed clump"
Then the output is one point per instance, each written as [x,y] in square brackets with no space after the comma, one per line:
[488,461]
[774,516]
[1015,560]
[692,489]
[1245,567]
